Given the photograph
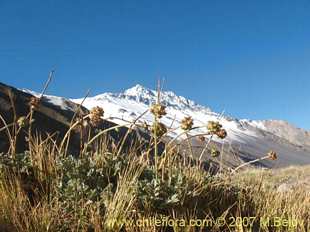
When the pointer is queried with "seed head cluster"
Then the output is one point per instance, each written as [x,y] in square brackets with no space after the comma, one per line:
[95,116]
[272,155]
[34,102]
[158,110]
[201,138]
[187,123]
[22,121]
[222,133]
[216,128]
[214,152]
[158,129]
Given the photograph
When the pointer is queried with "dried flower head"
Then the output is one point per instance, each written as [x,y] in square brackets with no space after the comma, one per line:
[22,121]
[214,152]
[187,123]
[201,138]
[95,116]
[221,133]
[34,102]
[158,110]
[272,155]
[159,129]
[214,127]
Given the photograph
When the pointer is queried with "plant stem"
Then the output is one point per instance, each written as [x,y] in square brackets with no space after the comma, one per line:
[251,162]
[155,148]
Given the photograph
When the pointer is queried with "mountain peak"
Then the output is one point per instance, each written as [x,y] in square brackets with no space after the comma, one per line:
[148,96]
[137,90]
[145,96]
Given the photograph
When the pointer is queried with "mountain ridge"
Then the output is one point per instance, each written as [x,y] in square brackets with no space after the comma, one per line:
[252,138]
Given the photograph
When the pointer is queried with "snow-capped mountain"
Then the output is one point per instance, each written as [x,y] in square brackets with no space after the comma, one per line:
[251,138]
[248,138]
[127,106]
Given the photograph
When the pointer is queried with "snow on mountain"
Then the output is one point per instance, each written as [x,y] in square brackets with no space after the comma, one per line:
[135,101]
[63,103]
[251,139]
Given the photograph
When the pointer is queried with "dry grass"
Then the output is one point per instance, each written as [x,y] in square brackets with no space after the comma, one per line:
[281,193]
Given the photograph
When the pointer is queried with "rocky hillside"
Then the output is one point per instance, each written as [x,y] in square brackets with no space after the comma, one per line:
[52,118]
[288,131]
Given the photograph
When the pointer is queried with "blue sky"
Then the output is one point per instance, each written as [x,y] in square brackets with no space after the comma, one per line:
[250,58]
